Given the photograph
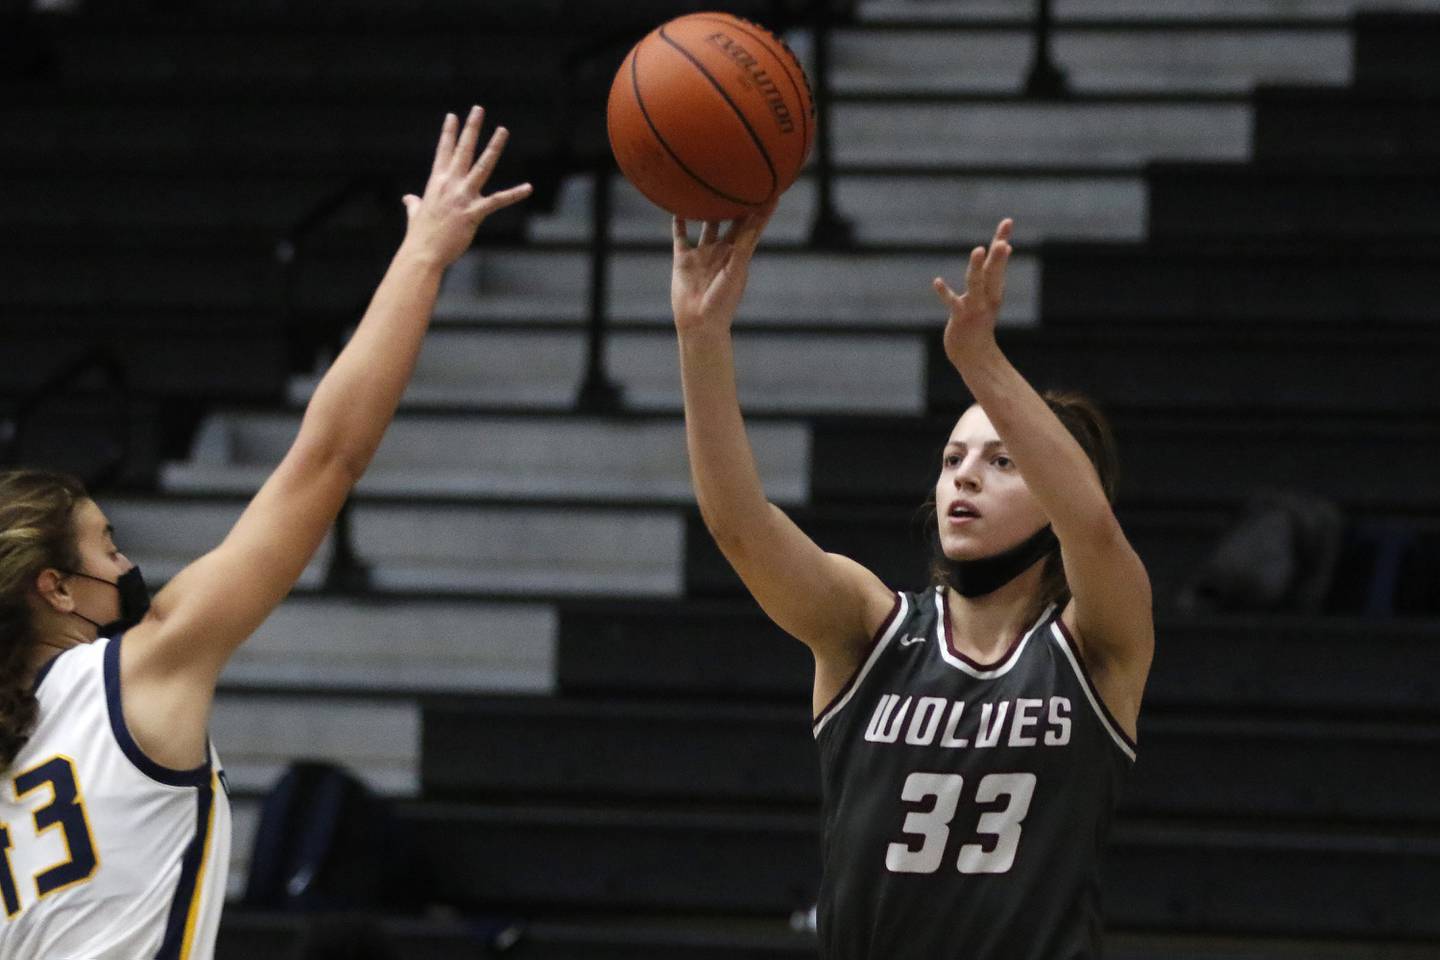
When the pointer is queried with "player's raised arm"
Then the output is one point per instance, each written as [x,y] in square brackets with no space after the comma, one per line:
[1111,590]
[829,602]
[213,605]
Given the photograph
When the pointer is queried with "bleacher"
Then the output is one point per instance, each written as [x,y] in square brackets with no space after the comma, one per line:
[1225,233]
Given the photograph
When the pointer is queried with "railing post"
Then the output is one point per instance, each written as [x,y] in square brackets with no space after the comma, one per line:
[1046,80]
[346,572]
[598,393]
[829,228]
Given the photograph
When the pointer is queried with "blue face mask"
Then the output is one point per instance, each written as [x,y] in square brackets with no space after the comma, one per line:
[134,602]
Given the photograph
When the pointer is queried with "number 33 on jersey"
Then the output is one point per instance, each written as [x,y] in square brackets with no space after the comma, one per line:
[960,796]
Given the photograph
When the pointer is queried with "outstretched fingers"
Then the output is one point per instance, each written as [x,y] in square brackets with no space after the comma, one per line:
[995,273]
[745,232]
[445,149]
[464,153]
[996,260]
[504,198]
[680,230]
[1003,231]
[975,271]
[480,173]
[943,291]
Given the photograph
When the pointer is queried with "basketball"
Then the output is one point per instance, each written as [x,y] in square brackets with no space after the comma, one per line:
[710,116]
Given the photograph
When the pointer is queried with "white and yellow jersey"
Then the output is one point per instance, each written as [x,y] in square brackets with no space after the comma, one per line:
[106,854]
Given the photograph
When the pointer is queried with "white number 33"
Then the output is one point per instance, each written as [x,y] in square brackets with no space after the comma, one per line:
[934,824]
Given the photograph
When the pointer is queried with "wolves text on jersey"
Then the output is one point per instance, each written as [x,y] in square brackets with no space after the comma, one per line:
[1021,722]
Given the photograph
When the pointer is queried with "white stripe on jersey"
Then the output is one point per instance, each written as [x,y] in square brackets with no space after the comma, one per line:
[158,839]
[1121,740]
[897,617]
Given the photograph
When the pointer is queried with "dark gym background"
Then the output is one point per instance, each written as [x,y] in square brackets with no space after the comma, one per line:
[586,739]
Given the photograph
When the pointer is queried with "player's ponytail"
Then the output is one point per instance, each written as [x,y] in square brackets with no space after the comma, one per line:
[37,531]
[1092,431]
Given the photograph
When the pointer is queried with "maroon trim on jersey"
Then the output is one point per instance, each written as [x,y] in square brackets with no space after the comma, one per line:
[950,640]
[864,657]
[1090,682]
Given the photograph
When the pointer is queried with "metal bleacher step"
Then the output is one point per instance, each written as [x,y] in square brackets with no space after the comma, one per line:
[164,535]
[167,271]
[1088,133]
[891,541]
[1283,666]
[1341,201]
[1199,12]
[150,136]
[888,204]
[340,679]
[1317,281]
[519,548]
[1109,57]
[537,457]
[258,735]
[1168,459]
[1305,123]
[1239,370]
[245,135]
[229,355]
[244,824]
[501,367]
[1214,876]
[510,549]
[1395,49]
[504,548]
[514,548]
[645,751]
[248,933]
[662,938]
[618,859]
[278,58]
[798,287]
[399,644]
[204,206]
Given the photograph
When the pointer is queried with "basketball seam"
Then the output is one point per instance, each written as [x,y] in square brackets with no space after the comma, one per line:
[640,102]
[804,115]
[759,144]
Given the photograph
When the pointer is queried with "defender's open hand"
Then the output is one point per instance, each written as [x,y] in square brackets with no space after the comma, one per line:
[443,222]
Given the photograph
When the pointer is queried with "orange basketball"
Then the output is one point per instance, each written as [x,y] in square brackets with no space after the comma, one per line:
[710,116]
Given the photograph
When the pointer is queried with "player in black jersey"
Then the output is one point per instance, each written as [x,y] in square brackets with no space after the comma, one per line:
[973,735]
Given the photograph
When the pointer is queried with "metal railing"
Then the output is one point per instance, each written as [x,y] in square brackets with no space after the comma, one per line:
[16,430]
[597,392]
[1046,80]
[345,570]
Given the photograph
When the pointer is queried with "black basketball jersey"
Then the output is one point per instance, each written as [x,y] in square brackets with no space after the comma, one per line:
[966,806]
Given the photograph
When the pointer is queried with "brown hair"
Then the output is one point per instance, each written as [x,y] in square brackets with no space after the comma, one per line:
[37,532]
[1092,431]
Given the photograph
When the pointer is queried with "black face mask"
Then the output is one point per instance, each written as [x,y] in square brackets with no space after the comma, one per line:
[976,578]
[134,602]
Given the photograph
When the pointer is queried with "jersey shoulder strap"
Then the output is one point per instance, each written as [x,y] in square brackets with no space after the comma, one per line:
[911,619]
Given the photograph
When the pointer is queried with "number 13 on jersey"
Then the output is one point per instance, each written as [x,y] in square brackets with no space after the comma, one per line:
[933,825]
